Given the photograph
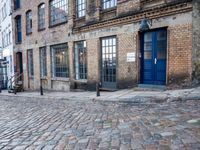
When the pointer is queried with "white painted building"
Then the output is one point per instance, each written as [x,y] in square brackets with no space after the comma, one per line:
[6,37]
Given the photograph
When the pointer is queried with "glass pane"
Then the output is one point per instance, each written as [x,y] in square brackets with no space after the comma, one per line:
[161,54]
[148,37]
[147,55]
[147,46]
[161,35]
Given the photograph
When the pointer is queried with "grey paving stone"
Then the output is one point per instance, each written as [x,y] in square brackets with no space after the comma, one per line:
[83,124]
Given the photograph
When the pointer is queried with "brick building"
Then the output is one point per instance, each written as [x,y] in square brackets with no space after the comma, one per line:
[77,43]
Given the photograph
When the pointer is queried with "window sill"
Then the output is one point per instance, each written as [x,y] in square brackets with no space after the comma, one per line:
[27,34]
[31,78]
[51,26]
[43,78]
[81,80]
[18,43]
[39,30]
[80,18]
[60,79]
[16,9]
[109,9]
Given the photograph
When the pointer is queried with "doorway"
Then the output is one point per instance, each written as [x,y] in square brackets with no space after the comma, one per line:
[154,56]
[19,63]
[108,62]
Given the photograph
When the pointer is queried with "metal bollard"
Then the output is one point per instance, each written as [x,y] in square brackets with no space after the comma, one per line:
[15,90]
[41,88]
[97,89]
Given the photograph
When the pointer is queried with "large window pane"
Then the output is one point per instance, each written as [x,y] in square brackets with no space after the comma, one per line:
[81,8]
[18,30]
[16,4]
[29,22]
[108,59]
[30,63]
[58,11]
[109,4]
[60,61]
[43,62]
[41,16]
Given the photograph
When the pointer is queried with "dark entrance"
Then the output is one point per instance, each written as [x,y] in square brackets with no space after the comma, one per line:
[19,63]
[108,62]
[153,65]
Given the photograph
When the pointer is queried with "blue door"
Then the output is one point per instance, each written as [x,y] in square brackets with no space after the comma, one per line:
[153,64]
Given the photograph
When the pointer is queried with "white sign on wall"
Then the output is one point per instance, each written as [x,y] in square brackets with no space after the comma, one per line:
[131,57]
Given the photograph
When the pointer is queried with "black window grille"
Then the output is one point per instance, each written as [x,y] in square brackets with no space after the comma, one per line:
[60,61]
[108,59]
[80,60]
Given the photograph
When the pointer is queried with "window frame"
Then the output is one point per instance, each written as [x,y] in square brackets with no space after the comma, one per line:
[105,7]
[81,73]
[82,10]
[109,46]
[17,4]
[43,62]
[63,48]
[30,62]
[18,29]
[29,22]
[51,16]
[41,17]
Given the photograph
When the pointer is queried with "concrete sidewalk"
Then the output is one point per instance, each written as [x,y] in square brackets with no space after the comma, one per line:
[134,95]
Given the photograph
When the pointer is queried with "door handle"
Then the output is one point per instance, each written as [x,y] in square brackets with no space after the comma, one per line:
[155,61]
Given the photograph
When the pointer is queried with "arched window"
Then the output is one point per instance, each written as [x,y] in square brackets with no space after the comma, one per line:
[29,22]
[18,29]
[41,16]
[58,11]
[16,4]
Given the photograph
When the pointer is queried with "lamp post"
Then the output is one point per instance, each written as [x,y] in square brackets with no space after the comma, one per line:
[145,24]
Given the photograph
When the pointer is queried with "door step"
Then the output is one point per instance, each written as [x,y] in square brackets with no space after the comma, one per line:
[108,89]
[150,87]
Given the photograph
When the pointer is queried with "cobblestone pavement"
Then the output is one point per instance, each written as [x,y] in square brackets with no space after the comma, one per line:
[35,124]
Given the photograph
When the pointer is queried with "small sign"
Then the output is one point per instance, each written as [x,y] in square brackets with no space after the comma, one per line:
[131,57]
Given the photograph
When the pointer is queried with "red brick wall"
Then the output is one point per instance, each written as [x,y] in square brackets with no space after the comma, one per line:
[179,54]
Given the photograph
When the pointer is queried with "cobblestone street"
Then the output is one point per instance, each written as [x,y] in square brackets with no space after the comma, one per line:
[35,124]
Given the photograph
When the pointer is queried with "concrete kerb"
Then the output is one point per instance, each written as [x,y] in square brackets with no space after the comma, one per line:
[128,97]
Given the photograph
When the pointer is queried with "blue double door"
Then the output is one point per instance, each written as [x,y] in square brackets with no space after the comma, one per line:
[154,56]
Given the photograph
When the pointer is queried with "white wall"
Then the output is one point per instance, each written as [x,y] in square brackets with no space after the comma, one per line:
[6,34]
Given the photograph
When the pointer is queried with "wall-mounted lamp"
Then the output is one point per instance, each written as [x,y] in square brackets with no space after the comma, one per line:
[145,24]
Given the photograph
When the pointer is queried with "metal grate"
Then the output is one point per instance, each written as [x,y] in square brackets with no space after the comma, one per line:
[80,60]
[60,61]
